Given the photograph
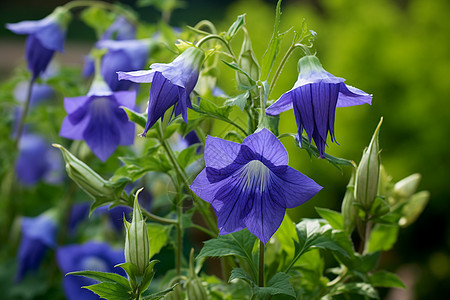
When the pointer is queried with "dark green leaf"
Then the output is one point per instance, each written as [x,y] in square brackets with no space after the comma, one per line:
[103,277]
[385,279]
[382,237]
[110,291]
[359,288]
[379,208]
[333,217]
[135,117]
[160,294]
[241,274]
[239,100]
[234,28]
[278,284]
[209,108]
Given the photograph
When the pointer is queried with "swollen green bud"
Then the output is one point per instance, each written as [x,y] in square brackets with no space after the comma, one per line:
[194,288]
[348,209]
[386,184]
[137,250]
[405,188]
[86,178]
[414,208]
[247,62]
[368,173]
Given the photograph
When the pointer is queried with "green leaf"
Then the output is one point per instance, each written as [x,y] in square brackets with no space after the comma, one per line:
[379,208]
[334,218]
[103,277]
[382,237]
[131,271]
[359,288]
[234,28]
[239,244]
[158,236]
[239,100]
[160,294]
[385,279]
[235,67]
[209,108]
[97,18]
[188,155]
[135,117]
[239,273]
[278,284]
[110,291]
[273,47]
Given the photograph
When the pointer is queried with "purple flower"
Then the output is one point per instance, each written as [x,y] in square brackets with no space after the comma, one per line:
[92,256]
[250,185]
[44,38]
[172,84]
[98,119]
[116,215]
[38,234]
[125,55]
[314,97]
[30,170]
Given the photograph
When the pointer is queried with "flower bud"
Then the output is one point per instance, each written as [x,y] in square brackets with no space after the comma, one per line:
[194,288]
[368,173]
[348,209]
[137,250]
[86,178]
[247,62]
[411,211]
[386,184]
[405,188]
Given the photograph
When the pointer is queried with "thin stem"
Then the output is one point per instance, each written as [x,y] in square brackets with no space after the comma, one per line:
[364,234]
[151,216]
[261,264]
[24,113]
[281,66]
[262,104]
[215,36]
[105,5]
[206,23]
[204,230]
[179,233]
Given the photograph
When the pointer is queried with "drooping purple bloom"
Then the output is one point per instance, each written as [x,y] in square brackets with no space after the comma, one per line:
[44,38]
[172,84]
[125,55]
[314,98]
[98,119]
[92,256]
[38,235]
[250,185]
[119,30]
[47,167]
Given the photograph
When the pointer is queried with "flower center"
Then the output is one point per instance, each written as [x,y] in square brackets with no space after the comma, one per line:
[257,175]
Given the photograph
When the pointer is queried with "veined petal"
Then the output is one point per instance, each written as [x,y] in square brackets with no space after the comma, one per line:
[220,153]
[303,106]
[349,96]
[322,95]
[142,76]
[282,104]
[38,57]
[265,144]
[74,103]
[73,131]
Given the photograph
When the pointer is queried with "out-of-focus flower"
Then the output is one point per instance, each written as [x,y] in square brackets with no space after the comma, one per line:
[37,161]
[125,55]
[38,235]
[44,38]
[172,84]
[78,213]
[98,119]
[92,256]
[314,97]
[250,185]
[115,215]
[119,30]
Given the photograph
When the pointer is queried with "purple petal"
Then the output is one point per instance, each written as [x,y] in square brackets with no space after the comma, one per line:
[282,104]
[142,76]
[112,62]
[38,57]
[265,144]
[220,153]
[349,96]
[121,29]
[303,106]
[74,103]
[74,131]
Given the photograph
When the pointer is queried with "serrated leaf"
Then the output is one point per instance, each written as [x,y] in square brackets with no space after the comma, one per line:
[110,291]
[234,28]
[382,237]
[334,218]
[385,279]
[277,285]
[359,288]
[239,100]
[160,294]
[135,117]
[102,277]
[239,273]
[209,108]
[158,236]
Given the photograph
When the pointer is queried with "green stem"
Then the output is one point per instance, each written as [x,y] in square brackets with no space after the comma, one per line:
[216,36]
[206,23]
[184,179]
[281,66]
[24,113]
[262,105]
[294,261]
[204,230]
[261,264]
[105,5]
[364,234]
[179,232]
[151,216]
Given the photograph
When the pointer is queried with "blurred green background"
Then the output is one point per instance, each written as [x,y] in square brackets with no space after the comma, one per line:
[399,51]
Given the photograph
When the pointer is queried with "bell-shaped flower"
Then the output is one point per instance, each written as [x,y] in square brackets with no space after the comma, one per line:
[314,98]
[250,185]
[44,38]
[38,235]
[30,170]
[91,256]
[172,84]
[98,119]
